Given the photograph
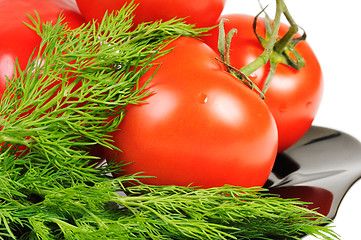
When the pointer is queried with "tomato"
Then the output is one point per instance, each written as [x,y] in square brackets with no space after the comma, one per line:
[19,41]
[203,13]
[200,125]
[293,95]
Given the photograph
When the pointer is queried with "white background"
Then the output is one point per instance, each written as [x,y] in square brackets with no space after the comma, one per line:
[333,30]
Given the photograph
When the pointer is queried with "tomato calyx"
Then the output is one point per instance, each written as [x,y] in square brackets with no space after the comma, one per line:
[276,50]
[224,43]
[283,49]
[242,77]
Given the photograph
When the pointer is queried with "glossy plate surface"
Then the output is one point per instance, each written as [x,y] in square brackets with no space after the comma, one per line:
[320,169]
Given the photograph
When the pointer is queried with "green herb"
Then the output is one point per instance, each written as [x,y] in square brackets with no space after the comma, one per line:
[67,99]
[167,212]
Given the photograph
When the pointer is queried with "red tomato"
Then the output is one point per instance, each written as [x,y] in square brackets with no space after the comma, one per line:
[293,96]
[201,125]
[17,40]
[203,13]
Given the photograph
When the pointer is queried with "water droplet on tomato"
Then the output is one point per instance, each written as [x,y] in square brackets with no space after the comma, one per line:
[203,98]
[308,104]
[253,77]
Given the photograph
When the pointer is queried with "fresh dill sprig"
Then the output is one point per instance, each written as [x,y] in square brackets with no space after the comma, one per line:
[169,212]
[70,96]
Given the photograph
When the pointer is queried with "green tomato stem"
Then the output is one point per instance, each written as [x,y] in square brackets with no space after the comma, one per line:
[287,38]
[275,50]
[265,56]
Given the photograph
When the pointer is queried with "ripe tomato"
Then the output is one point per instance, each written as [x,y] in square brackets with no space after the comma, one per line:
[293,95]
[203,13]
[200,125]
[17,40]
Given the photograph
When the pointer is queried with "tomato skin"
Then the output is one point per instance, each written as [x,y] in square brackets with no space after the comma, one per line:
[293,96]
[200,126]
[200,12]
[17,40]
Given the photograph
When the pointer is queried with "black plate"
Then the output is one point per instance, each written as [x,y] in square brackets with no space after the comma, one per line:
[320,169]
